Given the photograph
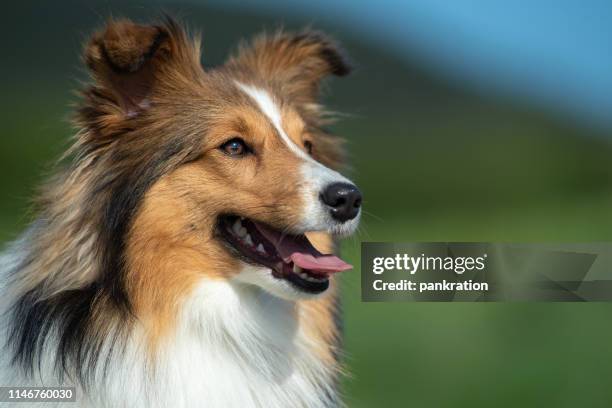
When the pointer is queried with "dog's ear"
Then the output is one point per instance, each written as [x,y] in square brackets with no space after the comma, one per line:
[129,61]
[299,61]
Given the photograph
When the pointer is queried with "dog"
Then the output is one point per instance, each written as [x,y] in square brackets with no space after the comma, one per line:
[182,257]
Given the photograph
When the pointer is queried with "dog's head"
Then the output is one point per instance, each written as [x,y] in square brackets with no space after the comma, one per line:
[222,171]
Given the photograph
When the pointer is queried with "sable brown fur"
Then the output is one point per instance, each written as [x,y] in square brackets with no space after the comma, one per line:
[144,187]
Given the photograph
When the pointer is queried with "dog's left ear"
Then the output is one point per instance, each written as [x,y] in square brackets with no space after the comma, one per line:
[298,61]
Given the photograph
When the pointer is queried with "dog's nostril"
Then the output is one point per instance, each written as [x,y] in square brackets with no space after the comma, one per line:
[343,200]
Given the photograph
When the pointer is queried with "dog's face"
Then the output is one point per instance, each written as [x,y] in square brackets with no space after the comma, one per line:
[244,168]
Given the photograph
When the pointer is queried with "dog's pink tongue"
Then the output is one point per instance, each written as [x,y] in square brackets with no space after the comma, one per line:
[320,263]
[299,250]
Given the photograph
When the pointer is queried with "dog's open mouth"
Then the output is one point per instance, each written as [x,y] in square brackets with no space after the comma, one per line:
[290,257]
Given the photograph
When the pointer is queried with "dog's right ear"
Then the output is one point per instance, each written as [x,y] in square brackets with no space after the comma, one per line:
[129,62]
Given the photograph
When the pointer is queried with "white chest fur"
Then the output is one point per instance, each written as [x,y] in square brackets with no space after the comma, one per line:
[236,346]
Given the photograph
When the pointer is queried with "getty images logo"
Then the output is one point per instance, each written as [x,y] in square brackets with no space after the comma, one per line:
[412,264]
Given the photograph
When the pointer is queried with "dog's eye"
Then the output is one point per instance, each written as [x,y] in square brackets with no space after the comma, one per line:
[308,146]
[234,147]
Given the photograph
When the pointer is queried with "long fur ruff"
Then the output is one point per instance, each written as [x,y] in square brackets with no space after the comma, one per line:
[95,295]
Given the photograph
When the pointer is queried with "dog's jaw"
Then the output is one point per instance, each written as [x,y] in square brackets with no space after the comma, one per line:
[262,277]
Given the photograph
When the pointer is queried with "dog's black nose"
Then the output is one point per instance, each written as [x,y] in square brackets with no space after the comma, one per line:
[343,200]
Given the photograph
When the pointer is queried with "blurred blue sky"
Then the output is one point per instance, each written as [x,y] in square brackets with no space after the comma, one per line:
[555,54]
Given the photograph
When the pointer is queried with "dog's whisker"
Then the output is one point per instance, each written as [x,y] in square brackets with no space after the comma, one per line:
[372,215]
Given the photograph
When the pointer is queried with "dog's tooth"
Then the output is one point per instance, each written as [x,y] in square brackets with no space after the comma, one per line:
[242,232]
[248,240]
[260,248]
[237,226]
[297,270]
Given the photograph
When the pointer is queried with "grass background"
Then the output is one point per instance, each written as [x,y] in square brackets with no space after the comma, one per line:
[436,162]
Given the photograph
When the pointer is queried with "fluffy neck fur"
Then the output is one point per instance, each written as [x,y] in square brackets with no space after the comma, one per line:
[234,346]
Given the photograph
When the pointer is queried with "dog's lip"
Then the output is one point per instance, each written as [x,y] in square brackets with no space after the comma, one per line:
[269,259]
[290,257]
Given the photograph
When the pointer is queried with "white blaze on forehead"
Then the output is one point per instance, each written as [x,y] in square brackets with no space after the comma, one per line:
[270,109]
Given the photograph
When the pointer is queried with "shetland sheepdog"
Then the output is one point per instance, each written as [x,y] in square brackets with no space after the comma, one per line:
[183,255]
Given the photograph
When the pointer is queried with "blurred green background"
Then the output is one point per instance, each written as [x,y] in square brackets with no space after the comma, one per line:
[437,161]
